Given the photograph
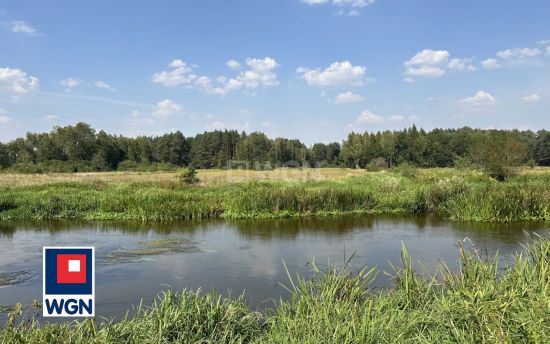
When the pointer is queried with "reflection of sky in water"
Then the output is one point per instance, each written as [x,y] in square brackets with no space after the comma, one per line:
[240,255]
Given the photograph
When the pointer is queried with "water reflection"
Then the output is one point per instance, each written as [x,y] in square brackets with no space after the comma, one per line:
[243,255]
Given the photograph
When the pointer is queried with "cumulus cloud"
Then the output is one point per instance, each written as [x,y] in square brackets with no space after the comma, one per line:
[17,81]
[348,97]
[434,63]
[259,72]
[233,64]
[166,108]
[19,26]
[70,82]
[179,73]
[480,99]
[349,7]
[490,63]
[369,117]
[532,98]
[337,74]
[518,53]
[104,85]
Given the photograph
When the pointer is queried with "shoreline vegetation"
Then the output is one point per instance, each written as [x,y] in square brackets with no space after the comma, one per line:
[454,194]
[480,303]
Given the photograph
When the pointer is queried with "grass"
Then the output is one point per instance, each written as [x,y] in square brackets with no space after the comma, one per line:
[455,195]
[480,303]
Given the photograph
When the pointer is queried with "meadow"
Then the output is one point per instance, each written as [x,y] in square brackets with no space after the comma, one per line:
[458,195]
[481,303]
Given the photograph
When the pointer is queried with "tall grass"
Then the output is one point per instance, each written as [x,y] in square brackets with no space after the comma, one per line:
[480,303]
[456,195]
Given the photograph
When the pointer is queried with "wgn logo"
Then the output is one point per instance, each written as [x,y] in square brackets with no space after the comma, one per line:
[68,282]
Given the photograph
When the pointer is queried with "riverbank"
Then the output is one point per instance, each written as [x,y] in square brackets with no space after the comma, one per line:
[454,194]
[479,304]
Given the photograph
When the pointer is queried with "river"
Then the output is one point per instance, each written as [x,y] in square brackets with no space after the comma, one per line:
[136,261]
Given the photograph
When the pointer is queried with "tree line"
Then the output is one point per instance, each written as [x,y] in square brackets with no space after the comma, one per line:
[81,148]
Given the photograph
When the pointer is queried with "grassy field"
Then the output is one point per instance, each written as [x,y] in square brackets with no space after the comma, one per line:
[479,304]
[207,177]
[458,195]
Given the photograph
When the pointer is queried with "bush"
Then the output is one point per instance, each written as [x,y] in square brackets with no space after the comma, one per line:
[377,164]
[407,170]
[188,176]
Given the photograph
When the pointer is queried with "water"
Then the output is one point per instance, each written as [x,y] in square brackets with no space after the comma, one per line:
[233,257]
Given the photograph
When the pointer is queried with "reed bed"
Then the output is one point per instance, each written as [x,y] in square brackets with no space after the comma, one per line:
[456,195]
[479,303]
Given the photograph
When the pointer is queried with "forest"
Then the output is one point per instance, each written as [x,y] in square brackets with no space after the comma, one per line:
[81,148]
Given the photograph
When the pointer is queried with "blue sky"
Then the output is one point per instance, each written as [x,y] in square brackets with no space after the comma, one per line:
[307,69]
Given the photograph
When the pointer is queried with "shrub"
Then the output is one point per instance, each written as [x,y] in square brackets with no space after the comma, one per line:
[376,165]
[188,176]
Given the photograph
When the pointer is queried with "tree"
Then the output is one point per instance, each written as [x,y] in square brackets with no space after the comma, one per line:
[499,154]
[188,176]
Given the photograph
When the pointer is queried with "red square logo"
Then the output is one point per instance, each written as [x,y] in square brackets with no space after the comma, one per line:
[71,268]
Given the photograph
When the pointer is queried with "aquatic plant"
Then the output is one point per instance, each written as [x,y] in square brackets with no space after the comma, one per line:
[480,303]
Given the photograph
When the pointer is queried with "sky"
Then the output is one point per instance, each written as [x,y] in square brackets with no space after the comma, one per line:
[308,69]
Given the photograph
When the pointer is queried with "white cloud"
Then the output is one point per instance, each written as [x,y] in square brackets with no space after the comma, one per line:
[434,63]
[368,117]
[4,119]
[19,26]
[260,72]
[51,117]
[17,81]
[104,86]
[349,7]
[396,118]
[481,98]
[548,50]
[267,124]
[70,82]
[179,74]
[337,74]
[166,108]
[490,63]
[246,112]
[429,57]
[461,64]
[518,53]
[532,98]
[543,42]
[353,3]
[233,64]
[348,97]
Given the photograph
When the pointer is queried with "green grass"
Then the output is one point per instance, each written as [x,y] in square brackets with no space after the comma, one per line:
[456,195]
[480,303]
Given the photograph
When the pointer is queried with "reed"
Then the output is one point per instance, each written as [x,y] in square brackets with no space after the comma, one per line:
[456,195]
[479,303]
